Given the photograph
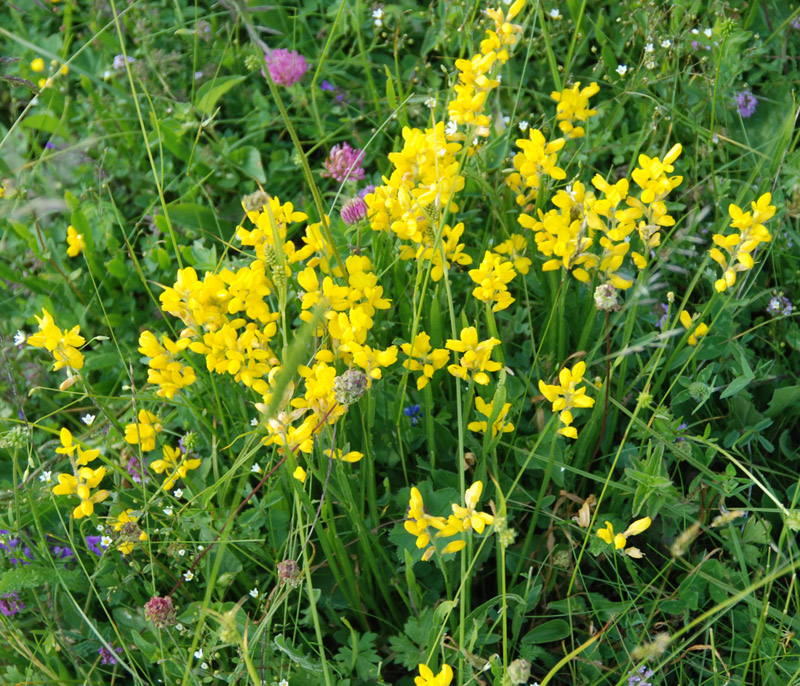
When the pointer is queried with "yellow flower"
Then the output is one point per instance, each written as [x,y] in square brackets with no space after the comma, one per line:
[418,522]
[299,474]
[144,431]
[469,516]
[476,358]
[740,246]
[499,425]
[700,331]
[573,105]
[68,447]
[427,677]
[75,241]
[421,357]
[37,65]
[567,396]
[620,540]
[62,344]
[492,276]
[81,486]
[164,370]
[175,464]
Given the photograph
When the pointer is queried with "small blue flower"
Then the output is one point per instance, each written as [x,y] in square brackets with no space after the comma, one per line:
[327,86]
[413,413]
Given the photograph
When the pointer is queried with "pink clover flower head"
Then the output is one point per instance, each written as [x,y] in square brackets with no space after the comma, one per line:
[10,604]
[747,103]
[344,163]
[353,211]
[286,67]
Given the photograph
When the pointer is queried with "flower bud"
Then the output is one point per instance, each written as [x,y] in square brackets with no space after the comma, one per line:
[350,386]
[160,611]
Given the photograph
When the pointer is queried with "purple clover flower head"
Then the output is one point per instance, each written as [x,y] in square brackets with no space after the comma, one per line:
[640,677]
[18,552]
[160,611]
[10,604]
[93,543]
[286,67]
[353,211]
[119,61]
[107,657]
[747,103]
[134,468]
[344,163]
[413,413]
[780,305]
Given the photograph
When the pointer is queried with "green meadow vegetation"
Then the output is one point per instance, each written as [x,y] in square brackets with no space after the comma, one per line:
[445,343]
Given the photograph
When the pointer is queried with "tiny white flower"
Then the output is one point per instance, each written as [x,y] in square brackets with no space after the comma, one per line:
[178,493]
[506,120]
[451,128]
[255,469]
[105,541]
[254,421]
[622,69]
[715,138]
[198,654]
[168,511]
[46,477]
[666,43]
[430,102]
[254,593]
[707,32]
[204,665]
[523,125]
[181,552]
[100,527]
[283,682]
[695,32]
[499,78]
[650,64]
[198,75]
[377,13]
[649,48]
[88,419]
[554,14]
[20,337]
[179,627]
[200,548]
[188,576]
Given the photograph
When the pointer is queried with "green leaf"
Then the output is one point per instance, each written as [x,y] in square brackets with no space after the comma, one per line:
[552,630]
[31,576]
[295,656]
[41,122]
[210,92]
[784,400]
[739,383]
[117,268]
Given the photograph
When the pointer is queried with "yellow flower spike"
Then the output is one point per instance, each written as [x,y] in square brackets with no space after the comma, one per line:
[566,396]
[469,516]
[476,358]
[144,431]
[61,344]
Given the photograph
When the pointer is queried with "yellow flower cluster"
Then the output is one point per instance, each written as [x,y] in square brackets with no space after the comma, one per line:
[750,233]
[568,233]
[464,518]
[63,345]
[143,432]
[474,75]
[271,223]
[476,359]
[175,464]
[84,478]
[493,276]
[423,184]
[698,331]
[536,159]
[573,106]
[423,358]
[567,396]
[514,247]
[164,370]
[499,425]
[619,541]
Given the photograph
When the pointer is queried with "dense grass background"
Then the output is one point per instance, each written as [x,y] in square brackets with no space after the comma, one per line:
[147,145]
